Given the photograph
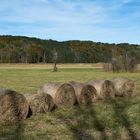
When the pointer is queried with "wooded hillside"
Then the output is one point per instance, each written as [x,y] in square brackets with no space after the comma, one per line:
[19,49]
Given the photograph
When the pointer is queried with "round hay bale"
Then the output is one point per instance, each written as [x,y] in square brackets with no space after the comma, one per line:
[63,94]
[13,106]
[85,93]
[105,88]
[40,103]
[123,86]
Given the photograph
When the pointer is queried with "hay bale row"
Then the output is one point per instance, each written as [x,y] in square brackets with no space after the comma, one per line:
[15,107]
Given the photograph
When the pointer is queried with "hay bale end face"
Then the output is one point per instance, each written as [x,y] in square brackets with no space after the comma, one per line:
[63,94]
[85,93]
[123,86]
[105,88]
[40,103]
[13,106]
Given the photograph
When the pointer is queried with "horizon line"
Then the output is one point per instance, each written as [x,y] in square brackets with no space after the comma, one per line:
[86,40]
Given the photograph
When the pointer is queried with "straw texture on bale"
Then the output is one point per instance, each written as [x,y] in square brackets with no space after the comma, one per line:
[13,106]
[85,93]
[105,88]
[40,103]
[63,94]
[123,86]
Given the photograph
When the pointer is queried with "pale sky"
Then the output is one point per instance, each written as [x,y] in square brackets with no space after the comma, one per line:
[112,21]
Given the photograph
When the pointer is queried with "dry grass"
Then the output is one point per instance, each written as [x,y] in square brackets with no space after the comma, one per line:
[48,66]
[118,118]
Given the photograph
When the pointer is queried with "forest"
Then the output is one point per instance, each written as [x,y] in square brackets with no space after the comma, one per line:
[21,49]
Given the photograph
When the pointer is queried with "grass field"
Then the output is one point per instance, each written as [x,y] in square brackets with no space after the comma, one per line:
[109,120]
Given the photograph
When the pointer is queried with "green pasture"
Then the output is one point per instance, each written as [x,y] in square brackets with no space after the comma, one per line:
[117,119]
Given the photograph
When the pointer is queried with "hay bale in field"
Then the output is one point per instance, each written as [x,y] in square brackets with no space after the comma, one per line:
[105,88]
[13,106]
[63,94]
[40,103]
[85,93]
[123,86]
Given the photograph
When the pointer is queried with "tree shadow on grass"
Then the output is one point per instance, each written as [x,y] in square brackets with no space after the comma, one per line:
[12,131]
[19,131]
[86,119]
[119,107]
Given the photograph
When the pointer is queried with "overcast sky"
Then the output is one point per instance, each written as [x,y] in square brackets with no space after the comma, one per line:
[98,20]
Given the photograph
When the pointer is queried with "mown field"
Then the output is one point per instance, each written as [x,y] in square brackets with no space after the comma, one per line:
[108,120]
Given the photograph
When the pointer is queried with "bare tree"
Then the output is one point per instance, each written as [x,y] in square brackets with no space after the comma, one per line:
[55,58]
[132,64]
[125,63]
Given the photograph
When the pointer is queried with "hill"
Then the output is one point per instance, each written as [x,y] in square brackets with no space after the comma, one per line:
[20,49]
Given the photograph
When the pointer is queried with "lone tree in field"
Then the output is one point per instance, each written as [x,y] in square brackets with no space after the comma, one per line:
[55,58]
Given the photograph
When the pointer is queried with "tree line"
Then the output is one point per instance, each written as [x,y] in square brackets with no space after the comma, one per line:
[20,49]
